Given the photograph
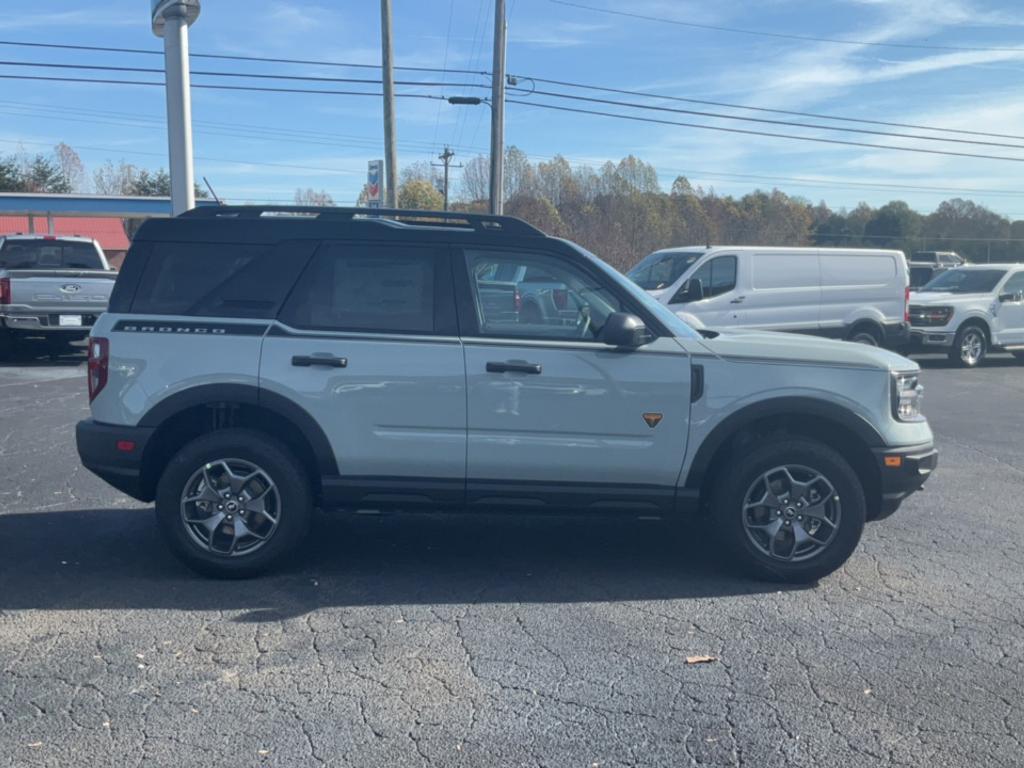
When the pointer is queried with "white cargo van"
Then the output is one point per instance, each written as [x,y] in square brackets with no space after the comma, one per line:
[844,293]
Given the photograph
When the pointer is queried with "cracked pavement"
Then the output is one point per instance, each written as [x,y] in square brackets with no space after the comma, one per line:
[486,641]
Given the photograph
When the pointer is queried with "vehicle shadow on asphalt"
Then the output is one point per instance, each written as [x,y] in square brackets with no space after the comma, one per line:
[991,361]
[114,559]
[39,356]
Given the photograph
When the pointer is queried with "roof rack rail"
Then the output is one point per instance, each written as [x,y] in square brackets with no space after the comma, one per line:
[456,219]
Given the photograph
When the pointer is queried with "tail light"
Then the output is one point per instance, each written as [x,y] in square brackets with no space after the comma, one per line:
[906,304]
[5,290]
[517,299]
[561,298]
[99,361]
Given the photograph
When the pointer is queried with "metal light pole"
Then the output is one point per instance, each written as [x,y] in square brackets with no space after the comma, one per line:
[498,108]
[388,76]
[171,20]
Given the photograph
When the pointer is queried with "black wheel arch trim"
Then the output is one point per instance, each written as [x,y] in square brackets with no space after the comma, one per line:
[248,394]
[779,406]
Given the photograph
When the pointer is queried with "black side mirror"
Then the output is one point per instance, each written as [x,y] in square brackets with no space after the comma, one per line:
[691,290]
[622,329]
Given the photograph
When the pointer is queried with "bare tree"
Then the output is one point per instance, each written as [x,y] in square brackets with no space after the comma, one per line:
[110,179]
[310,196]
[71,167]
[476,179]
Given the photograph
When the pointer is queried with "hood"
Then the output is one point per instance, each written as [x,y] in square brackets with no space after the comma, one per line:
[945,297]
[802,349]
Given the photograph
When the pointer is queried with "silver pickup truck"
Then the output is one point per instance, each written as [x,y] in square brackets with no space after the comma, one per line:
[52,288]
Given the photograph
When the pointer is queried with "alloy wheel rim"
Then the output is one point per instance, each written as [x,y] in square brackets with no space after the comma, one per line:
[970,347]
[791,513]
[230,507]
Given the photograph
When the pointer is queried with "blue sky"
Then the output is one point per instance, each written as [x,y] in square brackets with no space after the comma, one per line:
[256,147]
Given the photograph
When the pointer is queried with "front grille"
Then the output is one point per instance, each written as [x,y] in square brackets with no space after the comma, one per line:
[929,316]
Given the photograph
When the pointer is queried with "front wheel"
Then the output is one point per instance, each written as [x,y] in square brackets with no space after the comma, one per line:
[233,503]
[790,510]
[969,346]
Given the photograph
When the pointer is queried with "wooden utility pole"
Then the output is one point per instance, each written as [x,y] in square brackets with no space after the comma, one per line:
[498,108]
[388,76]
[446,160]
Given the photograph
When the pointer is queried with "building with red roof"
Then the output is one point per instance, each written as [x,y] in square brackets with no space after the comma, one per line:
[108,232]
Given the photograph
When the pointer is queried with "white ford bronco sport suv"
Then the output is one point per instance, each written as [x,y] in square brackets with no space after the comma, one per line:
[969,310]
[257,363]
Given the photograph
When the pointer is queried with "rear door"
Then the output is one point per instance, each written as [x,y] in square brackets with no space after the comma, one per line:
[556,418]
[367,344]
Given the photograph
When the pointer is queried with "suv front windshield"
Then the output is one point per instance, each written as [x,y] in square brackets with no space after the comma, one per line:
[965,281]
[49,254]
[661,269]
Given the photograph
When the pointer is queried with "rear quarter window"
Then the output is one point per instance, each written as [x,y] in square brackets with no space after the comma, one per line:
[218,279]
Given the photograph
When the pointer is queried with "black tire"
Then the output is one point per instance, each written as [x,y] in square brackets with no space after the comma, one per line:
[1019,355]
[958,354]
[740,477]
[294,511]
[866,334]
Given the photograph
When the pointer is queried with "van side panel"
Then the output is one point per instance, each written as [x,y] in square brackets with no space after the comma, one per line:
[861,286]
[784,291]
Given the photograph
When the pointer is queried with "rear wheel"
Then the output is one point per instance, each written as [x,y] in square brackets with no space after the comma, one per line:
[790,510]
[866,334]
[969,346]
[233,503]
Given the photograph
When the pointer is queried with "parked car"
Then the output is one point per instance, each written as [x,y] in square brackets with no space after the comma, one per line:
[525,293]
[926,265]
[969,310]
[52,288]
[255,365]
[854,294]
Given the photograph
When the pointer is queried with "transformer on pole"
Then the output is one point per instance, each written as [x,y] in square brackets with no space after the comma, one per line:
[171,20]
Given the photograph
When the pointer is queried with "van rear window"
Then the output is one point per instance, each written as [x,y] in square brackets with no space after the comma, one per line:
[215,280]
[49,254]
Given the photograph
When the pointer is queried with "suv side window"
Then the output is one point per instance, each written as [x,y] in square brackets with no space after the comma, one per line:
[1015,284]
[215,279]
[358,287]
[554,300]
[717,276]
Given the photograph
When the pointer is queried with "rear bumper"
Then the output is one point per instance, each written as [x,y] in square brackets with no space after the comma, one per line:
[49,322]
[904,471]
[104,451]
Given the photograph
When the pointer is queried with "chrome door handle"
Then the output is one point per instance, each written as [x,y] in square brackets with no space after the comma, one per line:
[513,366]
[329,361]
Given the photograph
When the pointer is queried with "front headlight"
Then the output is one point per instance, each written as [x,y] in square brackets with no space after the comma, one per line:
[907,394]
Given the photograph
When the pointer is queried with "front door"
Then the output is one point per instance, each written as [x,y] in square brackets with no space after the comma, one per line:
[1010,319]
[558,419]
[367,345]
[722,305]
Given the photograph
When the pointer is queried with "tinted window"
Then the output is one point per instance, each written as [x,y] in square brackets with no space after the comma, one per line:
[716,276]
[965,281]
[365,288]
[49,254]
[785,270]
[216,280]
[660,270]
[569,303]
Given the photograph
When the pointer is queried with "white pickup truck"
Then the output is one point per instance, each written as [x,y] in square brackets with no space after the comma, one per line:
[968,310]
[52,288]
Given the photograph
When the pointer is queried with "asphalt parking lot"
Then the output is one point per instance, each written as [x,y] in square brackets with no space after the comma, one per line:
[511,642]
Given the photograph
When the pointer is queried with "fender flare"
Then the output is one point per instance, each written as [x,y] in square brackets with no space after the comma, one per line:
[779,406]
[247,394]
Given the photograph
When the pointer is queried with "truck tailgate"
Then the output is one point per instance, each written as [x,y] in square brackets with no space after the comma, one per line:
[61,289]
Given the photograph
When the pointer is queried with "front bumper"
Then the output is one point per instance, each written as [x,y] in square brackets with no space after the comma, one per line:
[104,451]
[922,338]
[904,471]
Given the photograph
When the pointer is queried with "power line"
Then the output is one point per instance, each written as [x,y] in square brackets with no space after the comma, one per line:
[815,115]
[257,76]
[720,115]
[228,57]
[783,35]
[210,86]
[748,132]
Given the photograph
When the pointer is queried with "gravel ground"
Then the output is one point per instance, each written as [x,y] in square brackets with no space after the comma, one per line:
[504,641]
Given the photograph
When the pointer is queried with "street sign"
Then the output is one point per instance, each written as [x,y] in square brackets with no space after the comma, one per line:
[375,183]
